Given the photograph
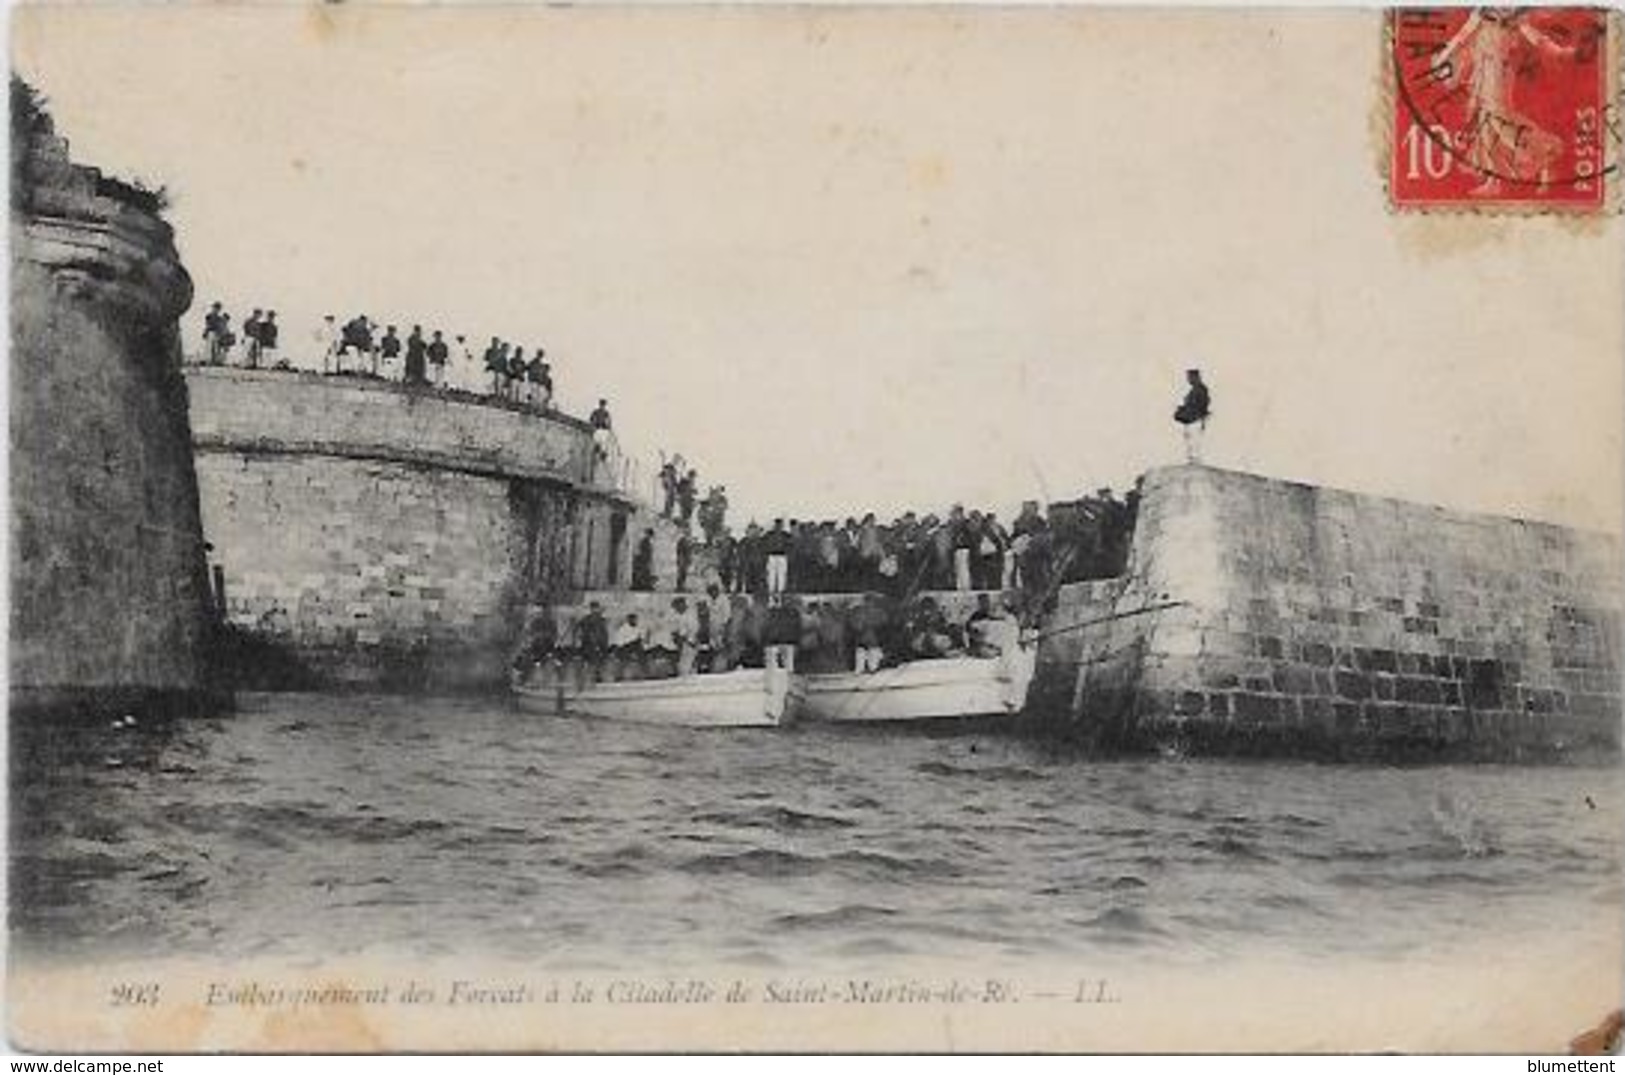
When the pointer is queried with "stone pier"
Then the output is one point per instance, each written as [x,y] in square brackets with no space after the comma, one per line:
[1319,622]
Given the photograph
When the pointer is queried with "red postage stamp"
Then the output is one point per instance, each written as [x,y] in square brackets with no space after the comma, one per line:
[1499,106]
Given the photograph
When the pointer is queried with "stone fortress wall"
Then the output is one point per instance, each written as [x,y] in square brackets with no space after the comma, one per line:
[110,605]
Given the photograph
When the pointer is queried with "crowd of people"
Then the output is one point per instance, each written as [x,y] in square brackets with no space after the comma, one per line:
[363,347]
[260,338]
[721,632]
[358,349]
[958,550]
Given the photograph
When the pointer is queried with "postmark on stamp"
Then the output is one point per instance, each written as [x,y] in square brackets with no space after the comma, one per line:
[1500,107]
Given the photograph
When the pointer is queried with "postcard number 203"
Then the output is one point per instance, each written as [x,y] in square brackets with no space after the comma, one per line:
[133,994]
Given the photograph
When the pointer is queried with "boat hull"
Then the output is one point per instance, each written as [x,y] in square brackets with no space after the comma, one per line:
[941,689]
[748,698]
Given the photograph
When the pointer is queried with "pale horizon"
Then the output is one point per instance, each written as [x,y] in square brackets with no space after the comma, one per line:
[843,267]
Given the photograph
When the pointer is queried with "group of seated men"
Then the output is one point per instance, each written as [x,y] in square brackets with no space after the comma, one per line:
[720,632]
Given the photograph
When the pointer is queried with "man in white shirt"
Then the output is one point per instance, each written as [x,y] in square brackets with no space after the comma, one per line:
[661,650]
[327,344]
[465,358]
[685,634]
[627,637]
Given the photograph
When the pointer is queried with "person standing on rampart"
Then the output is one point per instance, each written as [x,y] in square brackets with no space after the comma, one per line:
[389,349]
[541,373]
[214,331]
[1193,413]
[496,366]
[517,366]
[326,339]
[602,431]
[535,372]
[268,339]
[437,353]
[357,335]
[365,345]
[228,339]
[465,358]
[417,357]
[251,340]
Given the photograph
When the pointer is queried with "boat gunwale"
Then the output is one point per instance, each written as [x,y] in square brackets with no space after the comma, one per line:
[697,685]
[922,678]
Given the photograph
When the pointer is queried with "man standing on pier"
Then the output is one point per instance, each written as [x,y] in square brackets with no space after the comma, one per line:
[1192,415]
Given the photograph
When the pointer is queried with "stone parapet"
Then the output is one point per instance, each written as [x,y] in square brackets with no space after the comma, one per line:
[278,412]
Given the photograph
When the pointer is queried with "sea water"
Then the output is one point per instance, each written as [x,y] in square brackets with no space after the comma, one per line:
[352,826]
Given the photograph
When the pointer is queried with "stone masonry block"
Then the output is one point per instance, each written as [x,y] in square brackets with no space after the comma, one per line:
[1353,685]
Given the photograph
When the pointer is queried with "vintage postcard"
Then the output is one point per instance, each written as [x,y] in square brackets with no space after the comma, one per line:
[947,528]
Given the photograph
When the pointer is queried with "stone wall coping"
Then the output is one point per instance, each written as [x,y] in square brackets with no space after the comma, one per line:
[1177,470]
[214,432]
[379,384]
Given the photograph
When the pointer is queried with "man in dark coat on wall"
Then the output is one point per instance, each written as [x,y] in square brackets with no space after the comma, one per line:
[268,339]
[417,357]
[214,331]
[389,349]
[496,366]
[438,352]
[592,634]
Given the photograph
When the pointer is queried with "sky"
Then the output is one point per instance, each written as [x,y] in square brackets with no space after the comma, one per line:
[851,260]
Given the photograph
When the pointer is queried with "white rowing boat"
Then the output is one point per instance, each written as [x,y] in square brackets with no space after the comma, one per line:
[747,698]
[936,689]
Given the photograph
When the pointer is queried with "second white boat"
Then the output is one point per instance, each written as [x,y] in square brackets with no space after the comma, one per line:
[937,689]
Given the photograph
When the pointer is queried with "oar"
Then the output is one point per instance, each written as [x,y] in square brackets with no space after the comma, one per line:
[1141,611]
